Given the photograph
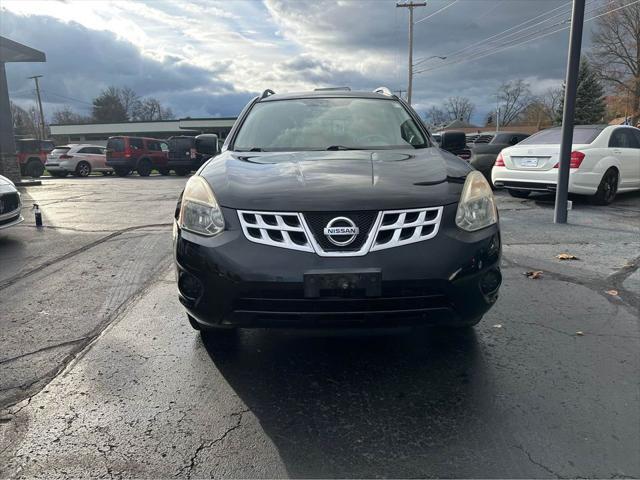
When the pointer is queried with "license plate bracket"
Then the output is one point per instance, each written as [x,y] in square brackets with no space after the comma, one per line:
[317,282]
[528,162]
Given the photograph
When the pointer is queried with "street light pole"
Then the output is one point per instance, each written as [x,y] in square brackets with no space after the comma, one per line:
[571,86]
[410,6]
[42,129]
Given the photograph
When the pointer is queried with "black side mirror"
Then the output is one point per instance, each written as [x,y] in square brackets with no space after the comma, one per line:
[207,144]
[453,141]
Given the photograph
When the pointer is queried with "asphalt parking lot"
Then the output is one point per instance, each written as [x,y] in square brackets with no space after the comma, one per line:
[100,374]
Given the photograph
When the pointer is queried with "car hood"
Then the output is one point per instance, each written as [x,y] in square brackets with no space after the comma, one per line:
[340,180]
[6,185]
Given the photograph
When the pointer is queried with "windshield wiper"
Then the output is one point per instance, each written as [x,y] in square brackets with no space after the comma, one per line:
[254,149]
[341,147]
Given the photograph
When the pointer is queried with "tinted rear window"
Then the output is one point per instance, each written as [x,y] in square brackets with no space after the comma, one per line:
[181,143]
[553,136]
[28,146]
[60,150]
[116,144]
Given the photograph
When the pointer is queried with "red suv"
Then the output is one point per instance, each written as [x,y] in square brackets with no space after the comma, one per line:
[126,154]
[32,155]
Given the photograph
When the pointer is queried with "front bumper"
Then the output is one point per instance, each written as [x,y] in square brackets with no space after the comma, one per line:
[230,281]
[10,220]
[583,183]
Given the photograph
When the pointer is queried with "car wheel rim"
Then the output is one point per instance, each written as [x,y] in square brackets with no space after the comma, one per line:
[610,186]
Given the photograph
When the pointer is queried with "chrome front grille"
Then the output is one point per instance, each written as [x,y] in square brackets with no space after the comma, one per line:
[277,229]
[401,227]
[392,228]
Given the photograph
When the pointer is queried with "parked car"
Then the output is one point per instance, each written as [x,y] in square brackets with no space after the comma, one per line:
[32,155]
[604,160]
[483,155]
[141,154]
[456,143]
[333,208]
[10,204]
[79,159]
[183,154]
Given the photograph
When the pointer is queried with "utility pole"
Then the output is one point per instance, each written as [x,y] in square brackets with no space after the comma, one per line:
[400,92]
[35,78]
[410,6]
[573,66]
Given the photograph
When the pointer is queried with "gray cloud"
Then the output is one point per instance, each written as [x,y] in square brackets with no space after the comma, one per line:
[81,62]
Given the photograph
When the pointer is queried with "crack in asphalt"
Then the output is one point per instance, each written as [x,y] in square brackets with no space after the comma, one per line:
[599,286]
[84,344]
[208,444]
[541,465]
[40,350]
[73,253]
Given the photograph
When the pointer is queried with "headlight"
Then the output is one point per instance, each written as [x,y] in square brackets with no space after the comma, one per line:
[477,207]
[199,210]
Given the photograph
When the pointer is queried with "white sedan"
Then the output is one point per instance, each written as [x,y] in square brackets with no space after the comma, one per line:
[605,160]
[10,204]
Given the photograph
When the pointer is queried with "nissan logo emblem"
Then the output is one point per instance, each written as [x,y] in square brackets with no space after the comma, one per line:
[341,231]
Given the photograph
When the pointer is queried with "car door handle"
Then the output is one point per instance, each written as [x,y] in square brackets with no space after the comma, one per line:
[617,151]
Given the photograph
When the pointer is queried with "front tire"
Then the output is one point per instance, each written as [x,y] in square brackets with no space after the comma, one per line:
[519,193]
[34,168]
[182,171]
[83,169]
[607,188]
[144,168]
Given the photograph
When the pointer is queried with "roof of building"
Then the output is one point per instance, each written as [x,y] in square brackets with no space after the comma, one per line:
[11,51]
[185,125]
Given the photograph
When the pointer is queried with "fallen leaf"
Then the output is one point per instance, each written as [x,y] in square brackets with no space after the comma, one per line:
[579,333]
[497,325]
[534,275]
[613,293]
[566,256]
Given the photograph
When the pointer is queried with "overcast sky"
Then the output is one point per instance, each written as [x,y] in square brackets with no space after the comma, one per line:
[206,58]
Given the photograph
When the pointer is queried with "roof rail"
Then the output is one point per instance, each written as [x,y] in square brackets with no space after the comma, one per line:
[326,89]
[267,93]
[383,91]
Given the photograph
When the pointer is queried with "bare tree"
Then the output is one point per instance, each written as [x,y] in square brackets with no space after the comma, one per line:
[513,97]
[616,50]
[459,108]
[67,116]
[436,116]
[25,122]
[150,109]
[130,100]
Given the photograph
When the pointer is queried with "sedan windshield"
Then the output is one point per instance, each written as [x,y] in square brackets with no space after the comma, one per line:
[329,124]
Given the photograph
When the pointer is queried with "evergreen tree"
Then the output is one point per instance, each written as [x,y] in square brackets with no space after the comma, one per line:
[108,107]
[590,106]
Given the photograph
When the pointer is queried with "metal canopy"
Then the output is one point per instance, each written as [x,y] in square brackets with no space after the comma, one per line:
[11,51]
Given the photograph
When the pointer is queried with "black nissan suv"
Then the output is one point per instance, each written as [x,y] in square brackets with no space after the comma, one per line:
[334,208]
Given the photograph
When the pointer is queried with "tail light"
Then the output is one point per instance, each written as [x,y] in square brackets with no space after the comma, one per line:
[127,152]
[193,153]
[65,156]
[575,161]
[499,160]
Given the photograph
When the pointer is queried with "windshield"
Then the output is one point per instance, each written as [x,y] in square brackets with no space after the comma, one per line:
[553,136]
[329,123]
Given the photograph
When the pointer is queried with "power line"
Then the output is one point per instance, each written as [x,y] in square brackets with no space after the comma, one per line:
[511,28]
[524,40]
[498,38]
[437,12]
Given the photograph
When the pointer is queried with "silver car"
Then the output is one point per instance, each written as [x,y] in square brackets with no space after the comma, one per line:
[79,159]
[10,204]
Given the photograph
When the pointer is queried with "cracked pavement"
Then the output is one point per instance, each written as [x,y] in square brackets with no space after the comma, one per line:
[547,386]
